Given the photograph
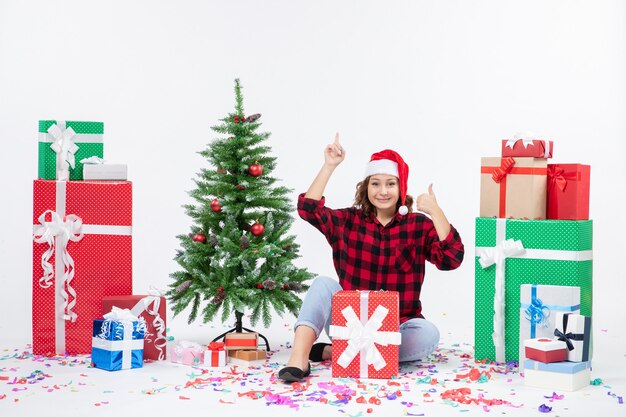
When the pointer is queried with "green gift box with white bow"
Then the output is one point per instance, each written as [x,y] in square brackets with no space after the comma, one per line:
[63,144]
[512,252]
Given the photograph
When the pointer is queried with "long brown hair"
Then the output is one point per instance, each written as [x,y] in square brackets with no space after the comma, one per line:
[362,202]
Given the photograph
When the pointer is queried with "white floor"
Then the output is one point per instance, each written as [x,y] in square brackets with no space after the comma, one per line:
[70,387]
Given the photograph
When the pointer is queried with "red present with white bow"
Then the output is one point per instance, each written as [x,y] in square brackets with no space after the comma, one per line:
[365,334]
[82,252]
[215,355]
[527,145]
[545,350]
[150,308]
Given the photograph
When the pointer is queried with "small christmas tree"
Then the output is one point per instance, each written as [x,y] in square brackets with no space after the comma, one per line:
[238,255]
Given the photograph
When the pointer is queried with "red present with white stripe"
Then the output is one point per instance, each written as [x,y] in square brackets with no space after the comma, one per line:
[545,350]
[151,308]
[365,334]
[527,146]
[82,252]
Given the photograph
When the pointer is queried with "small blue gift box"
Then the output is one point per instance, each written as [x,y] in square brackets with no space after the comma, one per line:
[117,344]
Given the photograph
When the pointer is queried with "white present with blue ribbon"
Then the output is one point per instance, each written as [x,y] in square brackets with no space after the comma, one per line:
[117,341]
[539,305]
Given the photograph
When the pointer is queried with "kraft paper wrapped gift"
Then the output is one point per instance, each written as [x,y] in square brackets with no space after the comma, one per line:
[545,350]
[513,187]
[568,191]
[150,308]
[215,355]
[512,252]
[63,144]
[117,341]
[82,252]
[187,353]
[575,330]
[241,341]
[365,334]
[539,305]
[520,146]
[248,355]
[565,376]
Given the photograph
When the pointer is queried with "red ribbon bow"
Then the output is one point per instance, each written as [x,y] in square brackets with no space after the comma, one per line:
[506,164]
[216,346]
[556,177]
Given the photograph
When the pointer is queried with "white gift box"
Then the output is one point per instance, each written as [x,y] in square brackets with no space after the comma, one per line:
[577,329]
[539,305]
[105,172]
[565,376]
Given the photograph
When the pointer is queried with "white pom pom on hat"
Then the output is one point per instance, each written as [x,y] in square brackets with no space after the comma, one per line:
[391,163]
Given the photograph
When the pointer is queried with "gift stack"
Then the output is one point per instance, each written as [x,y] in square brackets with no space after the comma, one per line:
[82,248]
[561,362]
[244,346]
[533,229]
[365,334]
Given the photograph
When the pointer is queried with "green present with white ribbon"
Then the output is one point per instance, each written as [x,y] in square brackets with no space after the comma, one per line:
[512,252]
[63,144]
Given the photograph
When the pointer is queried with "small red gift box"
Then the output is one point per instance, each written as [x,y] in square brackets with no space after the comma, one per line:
[545,350]
[535,148]
[568,191]
[365,334]
[82,252]
[152,309]
[215,355]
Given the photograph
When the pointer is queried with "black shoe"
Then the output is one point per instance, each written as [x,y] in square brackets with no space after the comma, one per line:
[293,374]
[317,351]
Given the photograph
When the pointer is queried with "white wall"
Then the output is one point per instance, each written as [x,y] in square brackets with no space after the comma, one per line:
[442,82]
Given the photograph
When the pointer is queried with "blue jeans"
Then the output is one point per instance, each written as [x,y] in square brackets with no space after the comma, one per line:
[420,337]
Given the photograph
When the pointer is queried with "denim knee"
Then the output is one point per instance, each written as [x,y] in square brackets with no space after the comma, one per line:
[420,338]
[316,306]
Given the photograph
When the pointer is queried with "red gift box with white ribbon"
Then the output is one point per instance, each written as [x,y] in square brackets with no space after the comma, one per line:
[82,252]
[151,308]
[527,146]
[365,334]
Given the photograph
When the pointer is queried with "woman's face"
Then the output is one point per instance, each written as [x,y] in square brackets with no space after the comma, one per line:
[383,192]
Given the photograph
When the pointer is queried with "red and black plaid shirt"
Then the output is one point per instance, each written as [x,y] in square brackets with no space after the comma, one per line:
[370,256]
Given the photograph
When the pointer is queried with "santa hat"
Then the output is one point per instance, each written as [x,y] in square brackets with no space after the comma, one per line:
[391,163]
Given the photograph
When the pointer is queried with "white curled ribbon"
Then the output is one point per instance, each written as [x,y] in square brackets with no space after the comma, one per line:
[497,255]
[92,160]
[154,300]
[59,232]
[362,338]
[526,139]
[64,147]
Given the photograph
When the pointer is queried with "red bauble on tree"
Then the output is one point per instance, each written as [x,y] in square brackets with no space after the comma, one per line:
[259,286]
[255,169]
[257,229]
[215,205]
[240,187]
[199,237]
